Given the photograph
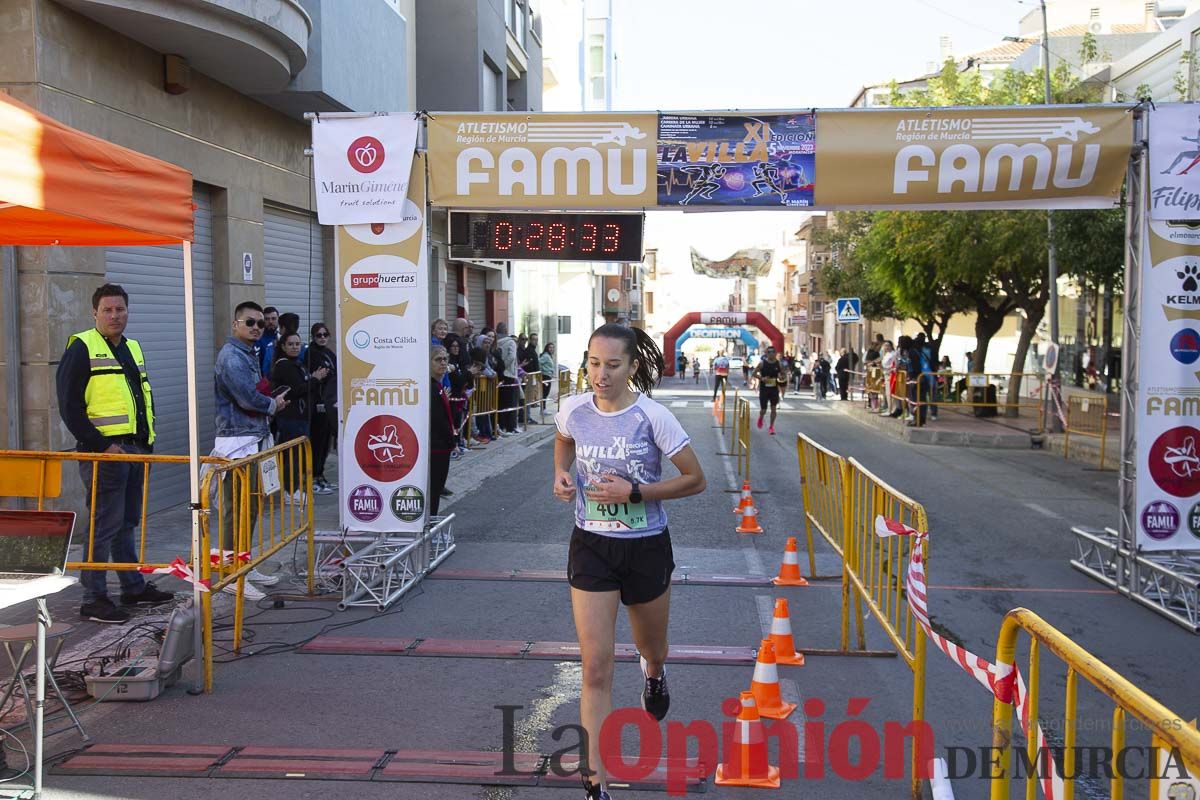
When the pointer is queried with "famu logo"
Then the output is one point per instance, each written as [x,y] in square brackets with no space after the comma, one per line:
[384,392]
[995,154]
[408,503]
[584,158]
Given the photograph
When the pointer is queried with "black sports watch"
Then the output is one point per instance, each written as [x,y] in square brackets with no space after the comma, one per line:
[635,493]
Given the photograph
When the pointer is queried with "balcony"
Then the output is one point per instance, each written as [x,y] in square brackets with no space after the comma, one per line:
[253,46]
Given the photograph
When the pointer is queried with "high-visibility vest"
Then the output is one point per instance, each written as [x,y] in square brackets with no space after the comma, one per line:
[110,403]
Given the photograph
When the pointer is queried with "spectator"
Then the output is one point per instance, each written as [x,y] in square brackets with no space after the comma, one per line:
[549,369]
[527,356]
[441,428]
[461,382]
[821,375]
[288,323]
[266,345]
[506,347]
[843,367]
[324,416]
[438,332]
[887,362]
[105,400]
[462,326]
[481,362]
[244,406]
[871,366]
[290,372]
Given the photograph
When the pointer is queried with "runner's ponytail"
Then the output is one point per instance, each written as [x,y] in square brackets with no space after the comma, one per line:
[640,347]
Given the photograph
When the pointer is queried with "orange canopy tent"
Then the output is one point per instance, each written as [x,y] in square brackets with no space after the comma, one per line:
[60,186]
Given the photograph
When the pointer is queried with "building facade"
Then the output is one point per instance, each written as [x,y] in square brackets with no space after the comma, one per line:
[219,89]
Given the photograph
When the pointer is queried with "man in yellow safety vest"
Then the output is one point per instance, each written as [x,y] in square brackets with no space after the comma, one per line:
[105,401]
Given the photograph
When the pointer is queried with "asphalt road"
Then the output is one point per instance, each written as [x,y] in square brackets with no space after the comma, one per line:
[1000,539]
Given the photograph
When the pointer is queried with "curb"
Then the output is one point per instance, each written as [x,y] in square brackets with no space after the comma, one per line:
[1007,439]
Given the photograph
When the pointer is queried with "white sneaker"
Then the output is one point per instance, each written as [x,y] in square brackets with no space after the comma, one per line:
[299,498]
[262,578]
[250,591]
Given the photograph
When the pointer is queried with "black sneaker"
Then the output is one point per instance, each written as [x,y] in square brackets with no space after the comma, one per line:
[656,698]
[103,610]
[593,792]
[150,595]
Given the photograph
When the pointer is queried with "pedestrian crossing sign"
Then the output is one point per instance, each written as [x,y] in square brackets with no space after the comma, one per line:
[849,309]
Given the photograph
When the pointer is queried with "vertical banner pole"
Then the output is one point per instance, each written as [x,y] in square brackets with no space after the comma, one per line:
[1135,244]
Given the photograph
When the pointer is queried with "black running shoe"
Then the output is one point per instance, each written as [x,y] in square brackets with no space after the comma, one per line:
[148,596]
[593,792]
[656,698]
[103,610]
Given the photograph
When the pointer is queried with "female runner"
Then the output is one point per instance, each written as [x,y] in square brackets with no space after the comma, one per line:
[620,549]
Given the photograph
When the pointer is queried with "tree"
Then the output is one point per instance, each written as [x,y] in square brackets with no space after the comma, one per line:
[847,275]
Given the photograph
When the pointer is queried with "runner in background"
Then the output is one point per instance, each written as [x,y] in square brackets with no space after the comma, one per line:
[617,438]
[682,364]
[696,369]
[768,372]
[720,368]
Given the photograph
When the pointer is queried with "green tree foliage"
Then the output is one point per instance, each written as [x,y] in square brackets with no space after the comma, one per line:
[847,275]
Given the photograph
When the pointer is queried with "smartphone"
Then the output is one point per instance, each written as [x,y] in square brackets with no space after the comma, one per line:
[281,391]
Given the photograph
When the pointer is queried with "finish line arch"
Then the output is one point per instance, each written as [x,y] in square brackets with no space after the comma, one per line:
[754,318]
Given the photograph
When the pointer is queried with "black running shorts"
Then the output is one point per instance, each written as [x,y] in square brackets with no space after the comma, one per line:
[768,395]
[640,569]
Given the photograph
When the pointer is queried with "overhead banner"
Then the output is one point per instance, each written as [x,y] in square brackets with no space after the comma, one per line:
[361,167]
[383,352]
[747,263]
[542,161]
[1174,161]
[762,160]
[1168,436]
[964,158]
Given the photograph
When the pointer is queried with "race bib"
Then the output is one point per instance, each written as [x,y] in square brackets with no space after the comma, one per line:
[615,516]
[768,381]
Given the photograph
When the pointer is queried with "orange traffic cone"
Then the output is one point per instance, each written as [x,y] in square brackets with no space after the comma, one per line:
[789,569]
[765,685]
[781,636]
[746,500]
[749,521]
[746,756]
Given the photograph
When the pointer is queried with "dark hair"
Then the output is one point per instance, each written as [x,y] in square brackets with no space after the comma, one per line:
[108,290]
[639,347]
[269,310]
[248,304]
[289,322]
[283,337]
[317,326]
[547,347]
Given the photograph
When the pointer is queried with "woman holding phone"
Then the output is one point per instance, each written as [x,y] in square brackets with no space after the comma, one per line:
[290,375]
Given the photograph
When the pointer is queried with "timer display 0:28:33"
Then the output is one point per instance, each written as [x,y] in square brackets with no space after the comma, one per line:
[590,238]
[563,236]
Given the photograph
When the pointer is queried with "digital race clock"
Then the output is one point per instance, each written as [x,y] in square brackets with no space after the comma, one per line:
[546,236]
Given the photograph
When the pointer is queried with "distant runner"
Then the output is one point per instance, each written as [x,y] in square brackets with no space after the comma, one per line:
[720,373]
[696,369]
[768,372]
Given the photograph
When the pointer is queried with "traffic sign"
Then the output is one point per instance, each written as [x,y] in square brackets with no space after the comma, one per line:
[849,309]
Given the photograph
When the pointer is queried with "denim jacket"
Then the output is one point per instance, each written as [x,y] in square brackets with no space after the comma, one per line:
[241,409]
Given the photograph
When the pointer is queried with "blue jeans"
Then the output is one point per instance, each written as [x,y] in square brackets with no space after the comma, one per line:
[118,511]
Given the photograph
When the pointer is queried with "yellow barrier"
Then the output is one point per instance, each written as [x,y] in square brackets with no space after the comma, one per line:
[970,390]
[484,402]
[741,436]
[1167,729]
[37,474]
[821,492]
[1086,416]
[239,516]
[875,567]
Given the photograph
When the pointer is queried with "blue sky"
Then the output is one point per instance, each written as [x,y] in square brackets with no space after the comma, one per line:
[759,54]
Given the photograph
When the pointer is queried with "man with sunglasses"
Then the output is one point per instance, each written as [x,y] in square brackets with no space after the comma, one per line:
[244,409]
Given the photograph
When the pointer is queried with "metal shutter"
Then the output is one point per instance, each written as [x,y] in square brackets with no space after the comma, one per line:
[477,296]
[294,268]
[451,294]
[153,277]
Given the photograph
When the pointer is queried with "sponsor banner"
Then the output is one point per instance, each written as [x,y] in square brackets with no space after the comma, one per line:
[1020,157]
[723,317]
[736,160]
[1174,162]
[747,263]
[1168,440]
[552,161]
[361,168]
[383,355]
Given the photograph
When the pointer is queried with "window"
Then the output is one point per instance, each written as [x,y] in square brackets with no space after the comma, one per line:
[491,94]
[564,324]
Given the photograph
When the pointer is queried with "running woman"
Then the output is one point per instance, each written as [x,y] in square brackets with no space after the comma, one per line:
[696,369]
[720,367]
[620,552]
[768,372]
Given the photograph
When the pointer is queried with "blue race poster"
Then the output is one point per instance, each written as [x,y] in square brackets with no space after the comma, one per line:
[736,160]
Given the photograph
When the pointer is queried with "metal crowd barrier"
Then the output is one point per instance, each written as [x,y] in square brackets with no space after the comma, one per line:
[739,436]
[1169,733]
[959,390]
[37,475]
[1086,416]
[245,524]
[821,491]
